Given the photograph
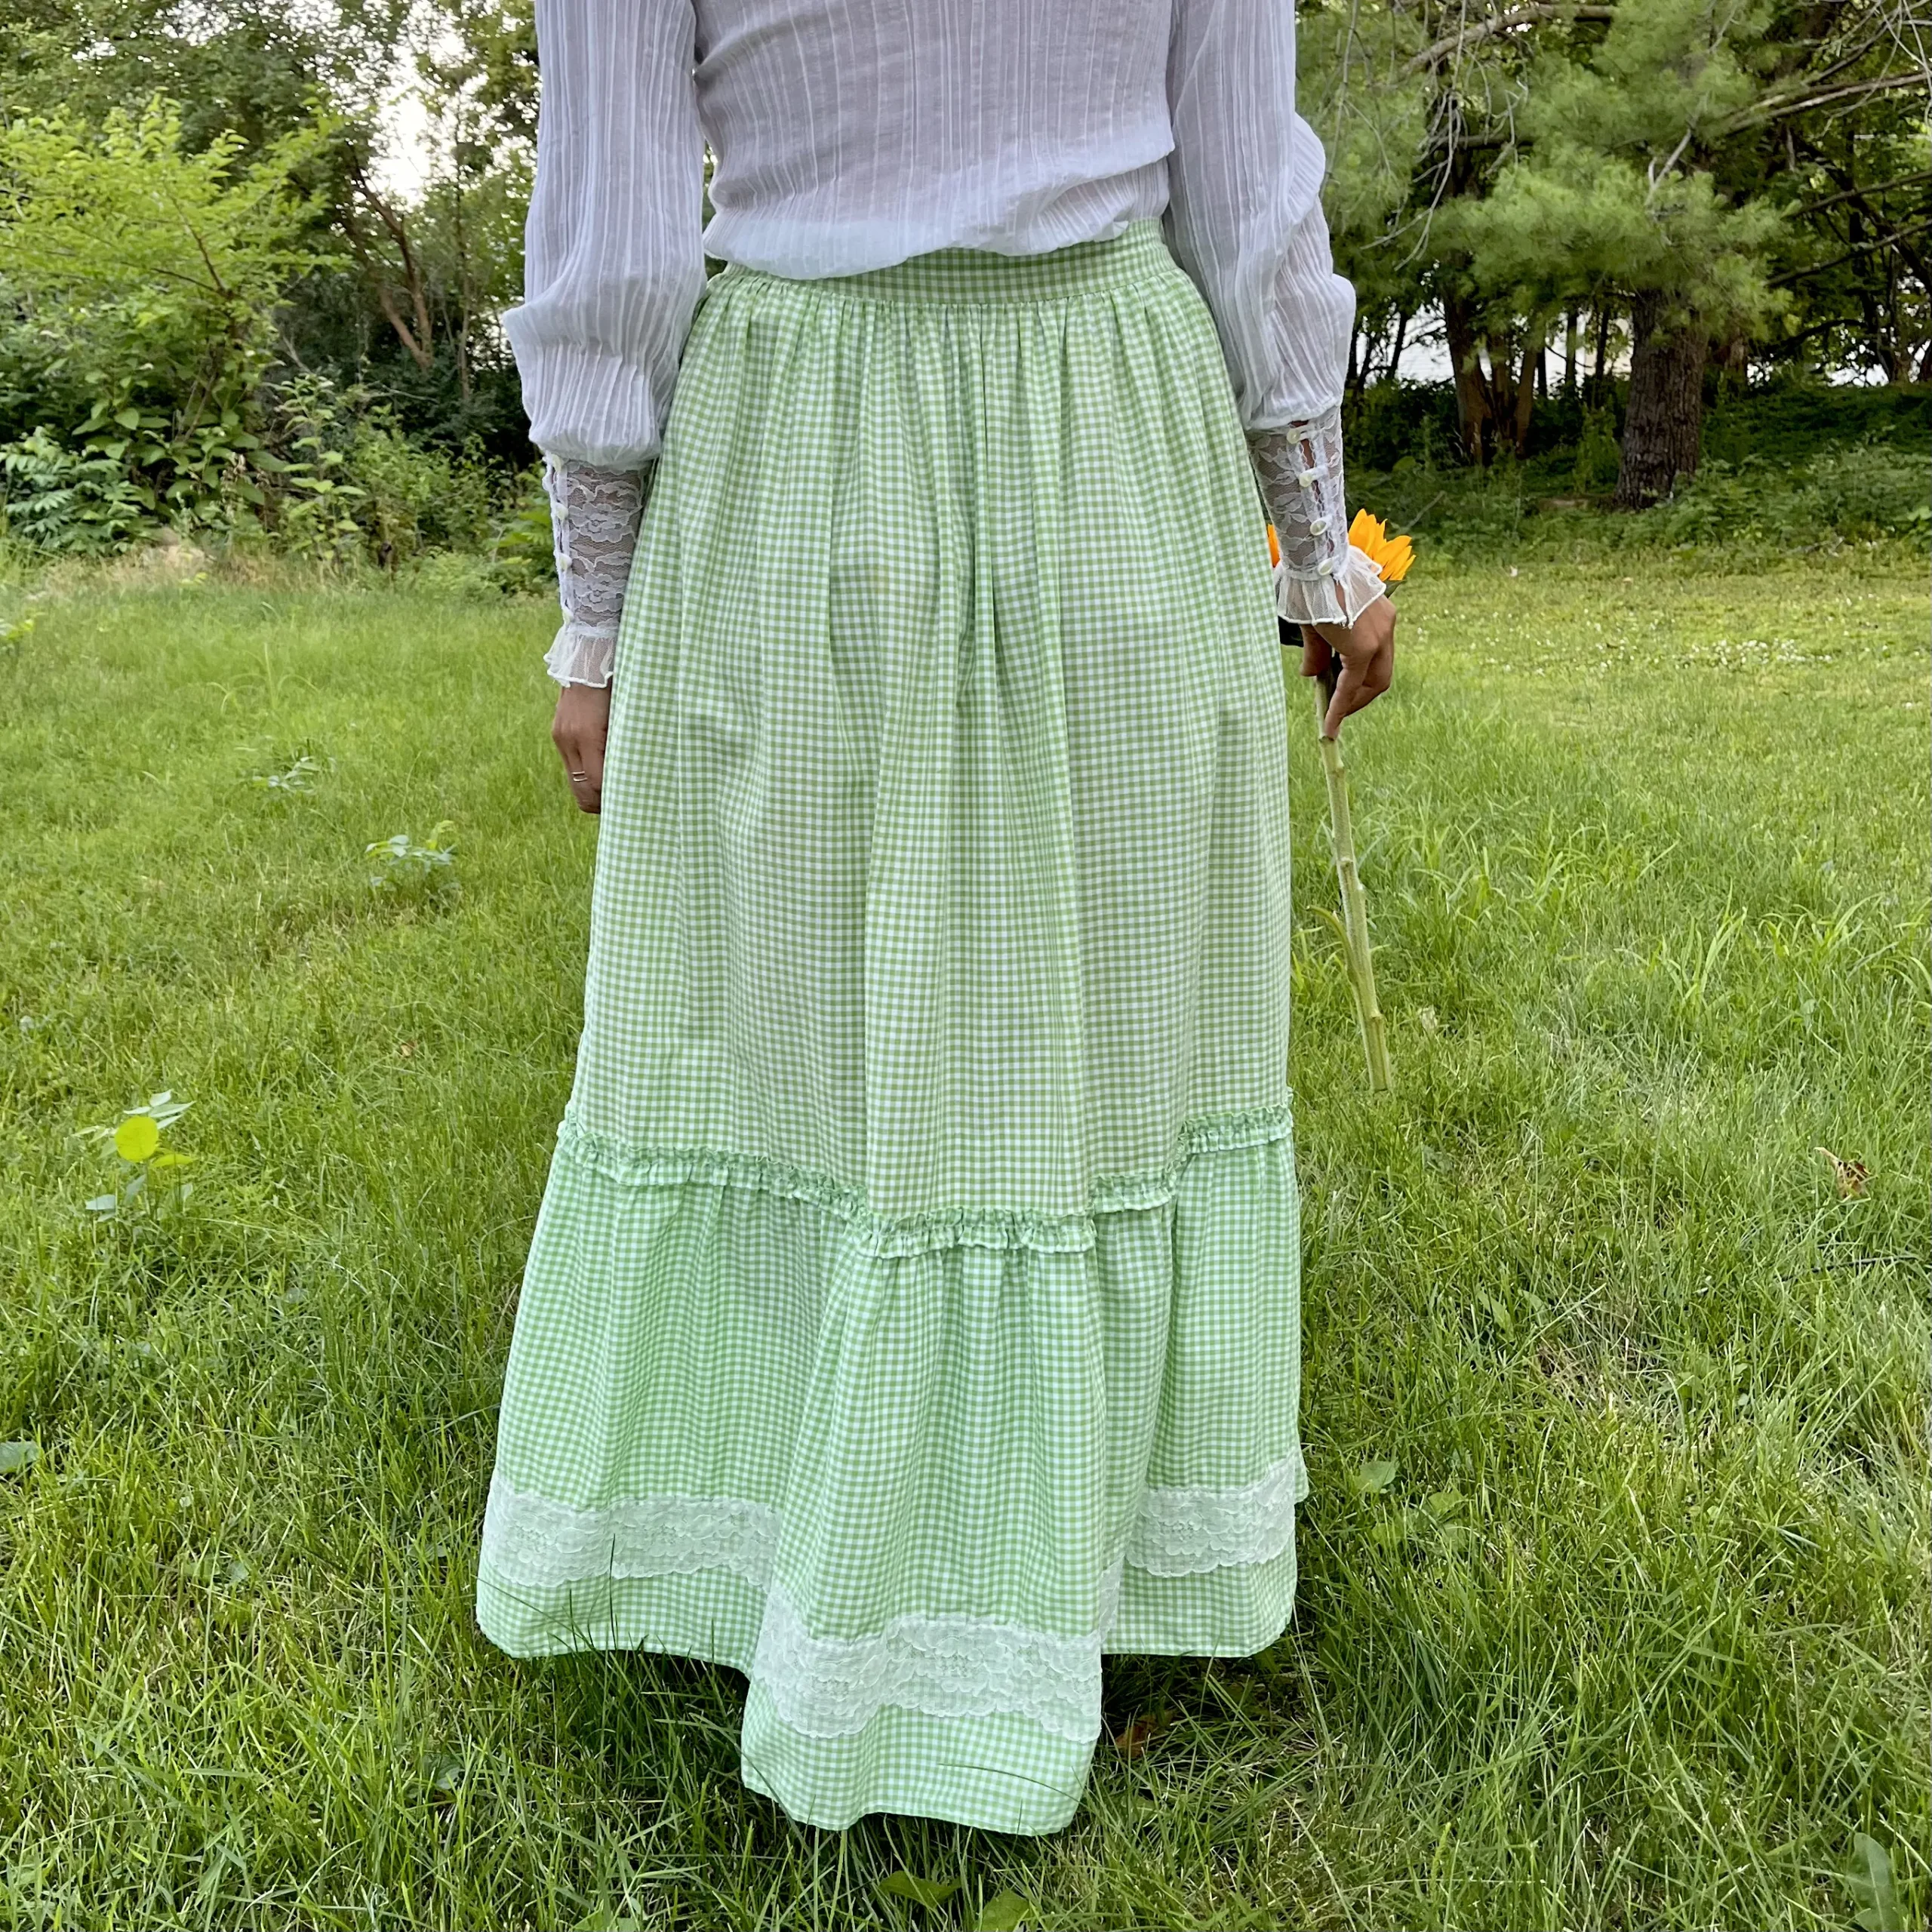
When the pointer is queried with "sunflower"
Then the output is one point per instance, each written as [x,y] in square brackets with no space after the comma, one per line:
[1392,556]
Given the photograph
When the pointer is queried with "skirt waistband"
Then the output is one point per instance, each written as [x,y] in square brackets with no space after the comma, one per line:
[973,278]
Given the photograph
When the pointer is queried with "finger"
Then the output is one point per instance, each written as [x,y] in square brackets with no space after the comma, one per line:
[1384,666]
[1370,685]
[1315,655]
[1376,673]
[584,771]
[1344,701]
[590,762]
[1382,670]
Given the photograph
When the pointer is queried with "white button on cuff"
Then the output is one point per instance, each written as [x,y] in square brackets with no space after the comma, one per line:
[1308,479]
[1318,526]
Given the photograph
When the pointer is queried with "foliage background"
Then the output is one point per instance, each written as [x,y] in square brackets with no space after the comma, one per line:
[1629,222]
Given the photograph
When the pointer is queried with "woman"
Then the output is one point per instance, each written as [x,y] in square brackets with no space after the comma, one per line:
[912,1317]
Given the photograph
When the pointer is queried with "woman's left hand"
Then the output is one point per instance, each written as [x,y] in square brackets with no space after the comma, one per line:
[577,731]
[1366,650]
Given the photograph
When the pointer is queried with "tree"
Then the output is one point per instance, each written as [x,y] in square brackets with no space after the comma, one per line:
[147,269]
[1703,167]
[1853,173]
[1372,116]
[254,69]
[1432,93]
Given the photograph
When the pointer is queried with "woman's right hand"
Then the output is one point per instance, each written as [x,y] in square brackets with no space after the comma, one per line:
[578,730]
[1366,650]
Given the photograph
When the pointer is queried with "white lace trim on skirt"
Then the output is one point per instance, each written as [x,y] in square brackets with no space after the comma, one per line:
[941,1666]
[537,1543]
[1185,1532]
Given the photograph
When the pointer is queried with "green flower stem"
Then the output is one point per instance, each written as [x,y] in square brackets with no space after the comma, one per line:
[1355,909]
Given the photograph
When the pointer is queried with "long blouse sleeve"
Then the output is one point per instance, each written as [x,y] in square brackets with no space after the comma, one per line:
[1244,219]
[613,262]
[613,267]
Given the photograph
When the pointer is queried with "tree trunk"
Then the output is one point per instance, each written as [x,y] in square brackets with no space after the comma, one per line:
[1395,354]
[462,303]
[1527,383]
[419,341]
[1569,326]
[1663,426]
[1472,409]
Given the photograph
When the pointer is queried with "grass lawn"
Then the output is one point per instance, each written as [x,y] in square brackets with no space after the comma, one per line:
[1633,1634]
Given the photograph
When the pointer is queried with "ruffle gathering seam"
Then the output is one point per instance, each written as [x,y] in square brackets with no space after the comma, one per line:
[636,1166]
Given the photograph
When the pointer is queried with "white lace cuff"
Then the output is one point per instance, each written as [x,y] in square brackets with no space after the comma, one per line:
[581,655]
[1338,596]
[593,518]
[1321,578]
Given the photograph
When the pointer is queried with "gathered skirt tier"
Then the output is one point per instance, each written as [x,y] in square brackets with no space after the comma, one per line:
[912,1317]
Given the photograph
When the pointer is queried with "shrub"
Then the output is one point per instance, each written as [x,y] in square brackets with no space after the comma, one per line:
[141,284]
[521,558]
[67,501]
[1870,490]
[415,499]
[1598,457]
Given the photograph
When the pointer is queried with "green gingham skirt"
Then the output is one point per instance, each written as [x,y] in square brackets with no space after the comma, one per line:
[912,1315]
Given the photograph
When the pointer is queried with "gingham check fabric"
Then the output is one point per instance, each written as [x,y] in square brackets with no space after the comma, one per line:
[912,1315]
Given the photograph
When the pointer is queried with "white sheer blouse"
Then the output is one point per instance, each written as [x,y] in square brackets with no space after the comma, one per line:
[850,134]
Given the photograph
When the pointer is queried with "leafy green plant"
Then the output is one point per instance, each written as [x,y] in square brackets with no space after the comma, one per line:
[1004,1912]
[137,1142]
[1871,1882]
[522,557]
[345,482]
[120,470]
[1599,456]
[929,1893]
[414,499]
[415,874]
[1372,1478]
[143,274]
[314,502]
[67,501]
[300,776]
[1868,490]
